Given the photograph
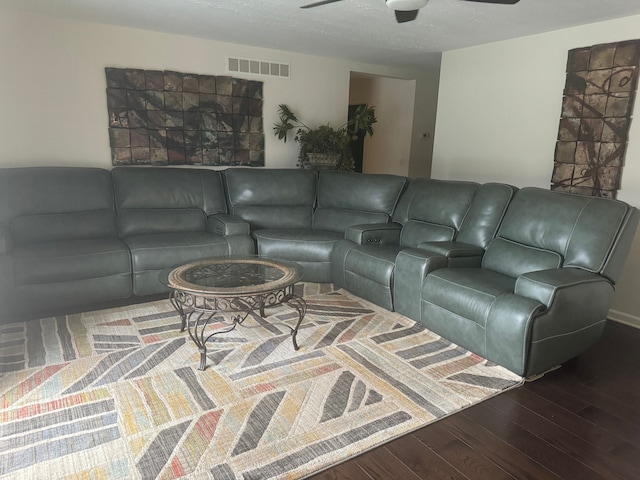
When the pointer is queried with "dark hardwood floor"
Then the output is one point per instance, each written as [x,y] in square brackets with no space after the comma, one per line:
[579,422]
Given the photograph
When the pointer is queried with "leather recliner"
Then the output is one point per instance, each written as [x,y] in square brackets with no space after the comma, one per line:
[542,292]
[169,217]
[59,245]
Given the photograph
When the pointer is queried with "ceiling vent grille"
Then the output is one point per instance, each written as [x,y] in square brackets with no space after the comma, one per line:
[258,67]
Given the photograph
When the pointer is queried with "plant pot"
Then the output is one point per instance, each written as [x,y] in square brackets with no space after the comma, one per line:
[323,161]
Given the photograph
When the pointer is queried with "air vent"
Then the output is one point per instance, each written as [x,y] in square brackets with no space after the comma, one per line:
[258,67]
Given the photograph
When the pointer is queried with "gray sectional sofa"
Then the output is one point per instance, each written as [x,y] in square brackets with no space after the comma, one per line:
[524,278]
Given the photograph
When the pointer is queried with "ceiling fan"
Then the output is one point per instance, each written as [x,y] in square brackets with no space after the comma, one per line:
[407,10]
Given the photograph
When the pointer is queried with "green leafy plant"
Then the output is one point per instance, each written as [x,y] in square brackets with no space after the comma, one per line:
[325,139]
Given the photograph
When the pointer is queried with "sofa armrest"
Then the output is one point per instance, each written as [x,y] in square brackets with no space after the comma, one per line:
[545,285]
[412,266]
[227,225]
[374,234]
[508,331]
[552,316]
[452,249]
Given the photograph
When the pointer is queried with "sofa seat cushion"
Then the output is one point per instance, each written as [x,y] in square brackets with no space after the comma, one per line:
[297,244]
[311,249]
[82,259]
[466,292]
[163,250]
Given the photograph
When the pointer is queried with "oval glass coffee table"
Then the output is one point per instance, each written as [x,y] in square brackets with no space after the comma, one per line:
[239,286]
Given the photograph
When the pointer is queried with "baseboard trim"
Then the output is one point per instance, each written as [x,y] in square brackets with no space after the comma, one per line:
[625,318]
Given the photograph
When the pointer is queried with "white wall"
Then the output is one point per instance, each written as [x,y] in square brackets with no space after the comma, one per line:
[52,87]
[389,149]
[498,111]
[422,136]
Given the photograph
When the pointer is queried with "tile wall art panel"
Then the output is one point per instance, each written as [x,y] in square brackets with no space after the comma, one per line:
[173,118]
[597,106]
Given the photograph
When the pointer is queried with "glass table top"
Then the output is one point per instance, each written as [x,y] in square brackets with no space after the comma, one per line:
[233,276]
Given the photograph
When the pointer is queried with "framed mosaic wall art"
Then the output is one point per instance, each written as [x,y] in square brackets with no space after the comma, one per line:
[597,106]
[173,118]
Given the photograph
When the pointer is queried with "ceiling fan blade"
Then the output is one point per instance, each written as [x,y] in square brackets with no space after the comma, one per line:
[403,16]
[501,2]
[317,4]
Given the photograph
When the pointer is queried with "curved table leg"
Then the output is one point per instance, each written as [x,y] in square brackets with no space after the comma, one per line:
[173,298]
[298,304]
[196,324]
[197,327]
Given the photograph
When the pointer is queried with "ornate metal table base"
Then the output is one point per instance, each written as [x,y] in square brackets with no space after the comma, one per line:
[196,312]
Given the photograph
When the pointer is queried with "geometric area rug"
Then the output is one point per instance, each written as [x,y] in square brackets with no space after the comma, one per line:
[117,394]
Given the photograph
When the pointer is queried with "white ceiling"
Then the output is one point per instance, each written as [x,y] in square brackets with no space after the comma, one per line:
[357,30]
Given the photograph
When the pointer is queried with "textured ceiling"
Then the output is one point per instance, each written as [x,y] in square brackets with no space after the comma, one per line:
[357,30]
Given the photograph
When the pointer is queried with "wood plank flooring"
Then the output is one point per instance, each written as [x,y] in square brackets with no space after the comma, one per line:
[581,421]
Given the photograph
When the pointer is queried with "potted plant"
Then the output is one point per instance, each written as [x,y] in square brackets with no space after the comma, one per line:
[325,146]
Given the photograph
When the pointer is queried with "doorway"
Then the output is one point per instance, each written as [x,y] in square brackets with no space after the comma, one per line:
[357,142]
[389,149]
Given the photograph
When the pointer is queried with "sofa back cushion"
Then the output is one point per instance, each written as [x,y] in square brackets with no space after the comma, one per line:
[272,198]
[487,211]
[44,204]
[433,210]
[346,199]
[576,231]
[164,200]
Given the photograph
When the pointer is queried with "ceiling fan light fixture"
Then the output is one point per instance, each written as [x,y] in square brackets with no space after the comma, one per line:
[406,5]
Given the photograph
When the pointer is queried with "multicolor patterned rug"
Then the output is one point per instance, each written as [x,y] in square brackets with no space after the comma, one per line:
[116,394]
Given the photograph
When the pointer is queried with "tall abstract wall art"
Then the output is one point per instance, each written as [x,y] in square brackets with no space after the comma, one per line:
[173,118]
[596,115]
